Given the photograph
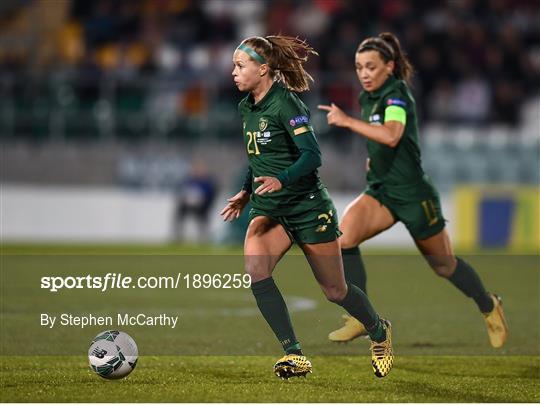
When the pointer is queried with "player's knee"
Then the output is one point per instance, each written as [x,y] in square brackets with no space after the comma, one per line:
[258,267]
[335,293]
[443,265]
[444,270]
[258,275]
[348,241]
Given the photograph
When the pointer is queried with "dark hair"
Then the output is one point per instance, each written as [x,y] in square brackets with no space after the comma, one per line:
[285,57]
[388,46]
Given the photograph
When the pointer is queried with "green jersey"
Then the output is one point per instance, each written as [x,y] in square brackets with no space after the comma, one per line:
[398,169]
[276,131]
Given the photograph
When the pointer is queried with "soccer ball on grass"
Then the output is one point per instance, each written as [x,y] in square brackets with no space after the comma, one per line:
[113,354]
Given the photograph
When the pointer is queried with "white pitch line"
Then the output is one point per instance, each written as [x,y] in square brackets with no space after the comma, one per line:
[294,304]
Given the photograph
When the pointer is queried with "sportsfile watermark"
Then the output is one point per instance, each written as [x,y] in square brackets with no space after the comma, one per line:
[200,305]
[118,281]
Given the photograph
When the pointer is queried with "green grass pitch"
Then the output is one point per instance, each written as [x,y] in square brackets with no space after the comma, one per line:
[222,351]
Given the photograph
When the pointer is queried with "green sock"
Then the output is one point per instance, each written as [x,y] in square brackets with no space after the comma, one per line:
[378,334]
[358,305]
[468,282]
[355,273]
[273,308]
[294,349]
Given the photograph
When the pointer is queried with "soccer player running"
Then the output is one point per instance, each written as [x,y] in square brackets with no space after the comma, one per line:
[398,189]
[289,202]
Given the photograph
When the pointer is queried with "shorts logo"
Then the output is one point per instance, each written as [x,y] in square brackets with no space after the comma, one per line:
[263,123]
[301,119]
[396,101]
[327,218]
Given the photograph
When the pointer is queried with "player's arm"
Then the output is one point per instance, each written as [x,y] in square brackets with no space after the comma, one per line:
[388,134]
[294,117]
[308,161]
[236,203]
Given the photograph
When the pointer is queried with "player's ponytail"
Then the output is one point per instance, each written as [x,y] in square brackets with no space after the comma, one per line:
[389,47]
[285,57]
[403,69]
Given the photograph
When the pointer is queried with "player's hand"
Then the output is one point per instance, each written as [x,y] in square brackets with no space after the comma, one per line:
[335,115]
[269,185]
[235,206]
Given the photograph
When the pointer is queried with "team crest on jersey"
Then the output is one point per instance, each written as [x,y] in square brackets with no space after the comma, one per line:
[263,123]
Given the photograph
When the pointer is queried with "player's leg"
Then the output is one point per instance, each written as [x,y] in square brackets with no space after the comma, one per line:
[437,250]
[326,263]
[266,242]
[363,218]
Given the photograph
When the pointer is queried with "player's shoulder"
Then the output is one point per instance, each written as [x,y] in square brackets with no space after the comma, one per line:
[403,88]
[289,100]
[285,94]
[399,95]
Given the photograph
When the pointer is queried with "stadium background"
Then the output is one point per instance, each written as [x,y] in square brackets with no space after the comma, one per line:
[117,115]
[108,107]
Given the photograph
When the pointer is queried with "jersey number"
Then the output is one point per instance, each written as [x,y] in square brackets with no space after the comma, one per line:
[252,140]
[431,213]
[327,217]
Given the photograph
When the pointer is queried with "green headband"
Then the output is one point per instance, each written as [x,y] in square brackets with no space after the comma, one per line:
[251,52]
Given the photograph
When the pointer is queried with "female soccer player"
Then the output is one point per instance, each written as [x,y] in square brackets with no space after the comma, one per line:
[289,202]
[398,189]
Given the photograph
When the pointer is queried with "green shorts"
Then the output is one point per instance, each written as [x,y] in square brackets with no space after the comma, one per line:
[312,219]
[422,217]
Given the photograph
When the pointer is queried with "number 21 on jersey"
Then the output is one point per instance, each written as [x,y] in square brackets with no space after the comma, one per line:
[252,147]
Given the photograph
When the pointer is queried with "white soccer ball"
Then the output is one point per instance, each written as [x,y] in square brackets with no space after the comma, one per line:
[113,354]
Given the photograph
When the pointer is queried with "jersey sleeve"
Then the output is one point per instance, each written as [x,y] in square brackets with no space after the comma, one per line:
[295,118]
[248,181]
[395,107]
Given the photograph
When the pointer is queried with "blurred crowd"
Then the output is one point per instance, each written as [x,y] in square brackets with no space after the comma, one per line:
[476,60]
